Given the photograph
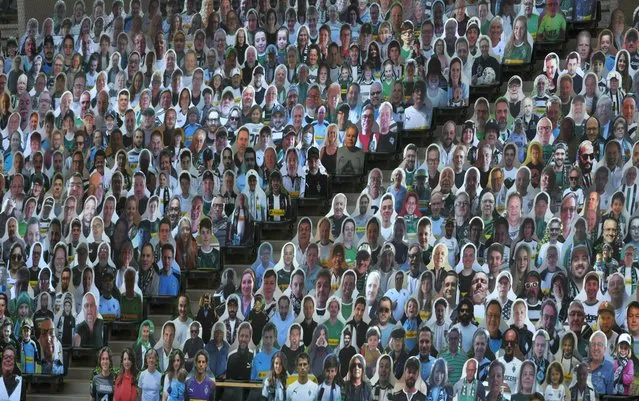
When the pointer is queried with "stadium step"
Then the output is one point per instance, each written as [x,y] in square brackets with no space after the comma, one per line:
[66,396]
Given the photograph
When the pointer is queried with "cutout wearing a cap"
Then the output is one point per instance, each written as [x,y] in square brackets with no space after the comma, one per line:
[591,297]
[622,355]
[278,200]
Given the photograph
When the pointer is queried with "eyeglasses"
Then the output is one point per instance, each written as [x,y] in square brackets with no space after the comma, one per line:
[16,257]
[357,365]
[531,285]
[384,310]
[234,118]
[589,156]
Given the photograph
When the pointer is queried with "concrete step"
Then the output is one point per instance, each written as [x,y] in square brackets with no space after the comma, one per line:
[79,371]
[66,396]
[76,385]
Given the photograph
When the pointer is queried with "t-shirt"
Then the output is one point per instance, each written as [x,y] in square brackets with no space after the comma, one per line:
[109,308]
[417,119]
[169,285]
[131,309]
[519,53]
[511,373]
[591,312]
[262,365]
[176,390]
[302,392]
[182,329]
[555,394]
[350,162]
[102,388]
[467,333]
[28,356]
[149,384]
[551,27]
[196,391]
[334,332]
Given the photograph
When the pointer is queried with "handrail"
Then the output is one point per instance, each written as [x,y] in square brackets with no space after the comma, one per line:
[238,384]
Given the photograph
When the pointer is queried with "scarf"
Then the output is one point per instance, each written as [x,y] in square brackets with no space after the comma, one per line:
[542,365]
[145,279]
[618,376]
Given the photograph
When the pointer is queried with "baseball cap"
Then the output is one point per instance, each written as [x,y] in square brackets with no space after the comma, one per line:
[398,333]
[278,108]
[491,125]
[606,307]
[313,152]
[288,130]
[388,247]
[614,75]
[625,338]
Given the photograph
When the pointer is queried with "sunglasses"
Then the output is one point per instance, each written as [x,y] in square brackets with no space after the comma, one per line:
[589,156]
